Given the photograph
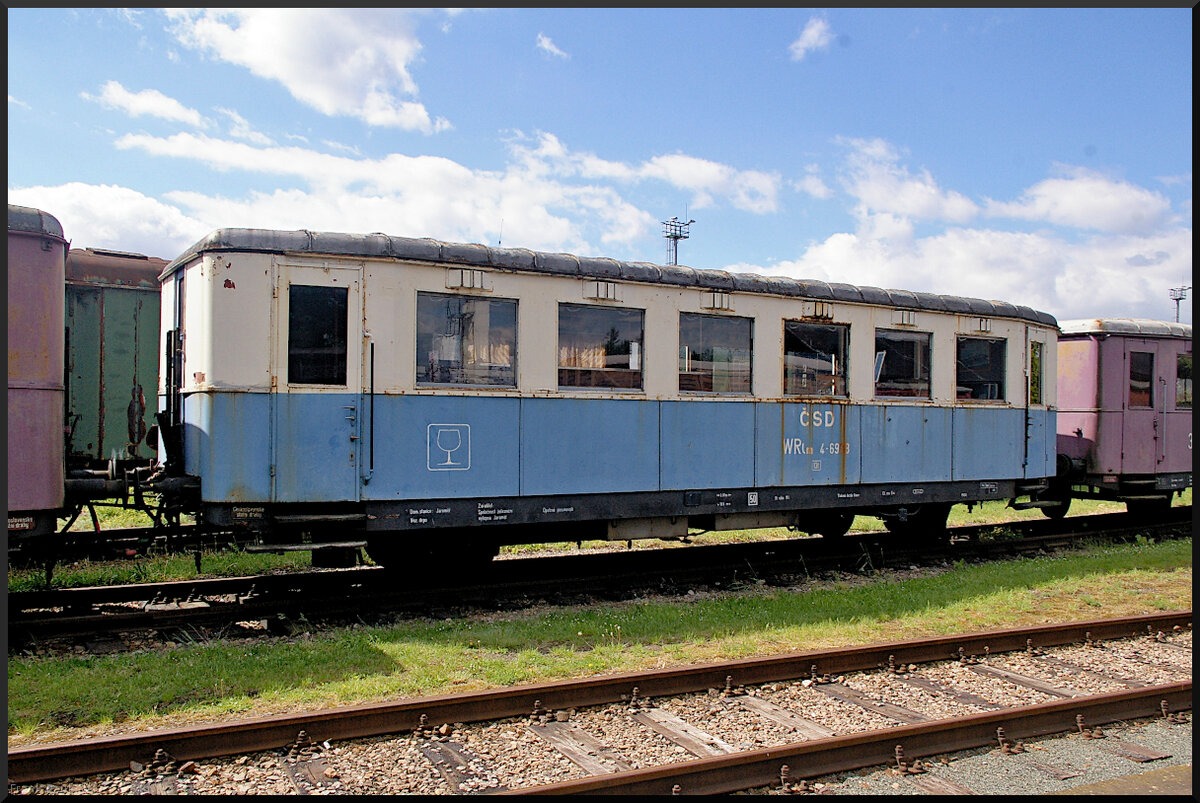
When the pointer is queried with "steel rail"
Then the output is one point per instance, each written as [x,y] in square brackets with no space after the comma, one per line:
[765,767]
[85,756]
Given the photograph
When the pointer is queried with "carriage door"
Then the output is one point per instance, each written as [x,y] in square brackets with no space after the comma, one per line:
[1141,436]
[316,375]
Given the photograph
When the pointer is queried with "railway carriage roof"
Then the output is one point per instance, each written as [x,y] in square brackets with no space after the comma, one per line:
[383,246]
[25,218]
[98,266]
[1126,326]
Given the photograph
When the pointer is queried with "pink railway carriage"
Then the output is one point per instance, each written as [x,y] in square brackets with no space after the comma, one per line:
[36,265]
[1125,411]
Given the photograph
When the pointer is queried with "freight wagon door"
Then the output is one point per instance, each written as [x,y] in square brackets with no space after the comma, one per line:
[1141,430]
[317,364]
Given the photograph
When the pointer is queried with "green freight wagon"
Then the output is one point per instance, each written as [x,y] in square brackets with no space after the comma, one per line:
[112,312]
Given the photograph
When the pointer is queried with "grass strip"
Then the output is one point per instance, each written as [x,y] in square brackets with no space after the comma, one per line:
[65,698]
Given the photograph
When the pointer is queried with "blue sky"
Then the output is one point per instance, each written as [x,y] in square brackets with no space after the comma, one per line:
[1037,156]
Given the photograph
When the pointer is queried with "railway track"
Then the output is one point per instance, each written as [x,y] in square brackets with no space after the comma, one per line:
[769,724]
[281,600]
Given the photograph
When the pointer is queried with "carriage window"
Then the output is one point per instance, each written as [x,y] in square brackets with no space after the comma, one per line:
[814,359]
[1035,373]
[462,340]
[714,353]
[902,363]
[317,335]
[1183,382]
[600,347]
[1141,379]
[980,368]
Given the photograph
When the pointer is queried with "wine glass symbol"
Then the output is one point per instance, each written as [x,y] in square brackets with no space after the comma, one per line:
[448,440]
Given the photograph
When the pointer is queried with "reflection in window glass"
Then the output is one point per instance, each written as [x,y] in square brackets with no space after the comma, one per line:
[1035,373]
[463,340]
[317,335]
[1141,379]
[600,347]
[814,359]
[1183,382]
[980,368]
[714,353]
[902,363]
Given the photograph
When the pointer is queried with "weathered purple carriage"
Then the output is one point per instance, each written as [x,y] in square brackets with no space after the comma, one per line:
[1125,411]
[37,255]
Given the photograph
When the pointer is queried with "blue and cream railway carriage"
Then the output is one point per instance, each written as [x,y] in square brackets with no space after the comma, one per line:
[434,396]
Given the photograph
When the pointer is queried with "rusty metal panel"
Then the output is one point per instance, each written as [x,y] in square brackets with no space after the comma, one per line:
[803,443]
[93,266]
[112,361]
[85,410]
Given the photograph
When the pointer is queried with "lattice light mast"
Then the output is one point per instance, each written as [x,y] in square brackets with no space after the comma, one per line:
[675,230]
[1179,294]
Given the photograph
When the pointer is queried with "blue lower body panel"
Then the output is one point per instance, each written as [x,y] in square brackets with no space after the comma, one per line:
[988,441]
[588,446]
[901,444]
[258,447]
[808,444]
[439,447]
[227,443]
[707,445]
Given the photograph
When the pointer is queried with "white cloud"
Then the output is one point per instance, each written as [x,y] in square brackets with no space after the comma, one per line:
[13,101]
[817,35]
[147,103]
[544,44]
[549,197]
[749,190]
[1105,276]
[1180,180]
[1137,248]
[875,177]
[1085,199]
[812,184]
[421,196]
[239,127]
[110,216]
[341,62]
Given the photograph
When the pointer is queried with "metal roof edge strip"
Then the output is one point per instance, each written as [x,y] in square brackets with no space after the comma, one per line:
[563,264]
[1145,327]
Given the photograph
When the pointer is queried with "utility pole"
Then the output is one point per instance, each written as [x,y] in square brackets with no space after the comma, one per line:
[675,230]
[1179,294]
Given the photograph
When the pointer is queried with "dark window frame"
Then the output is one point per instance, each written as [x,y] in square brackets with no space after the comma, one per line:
[314,342]
[598,360]
[709,328]
[922,384]
[434,371]
[1141,380]
[1037,372]
[837,385]
[1183,381]
[978,379]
